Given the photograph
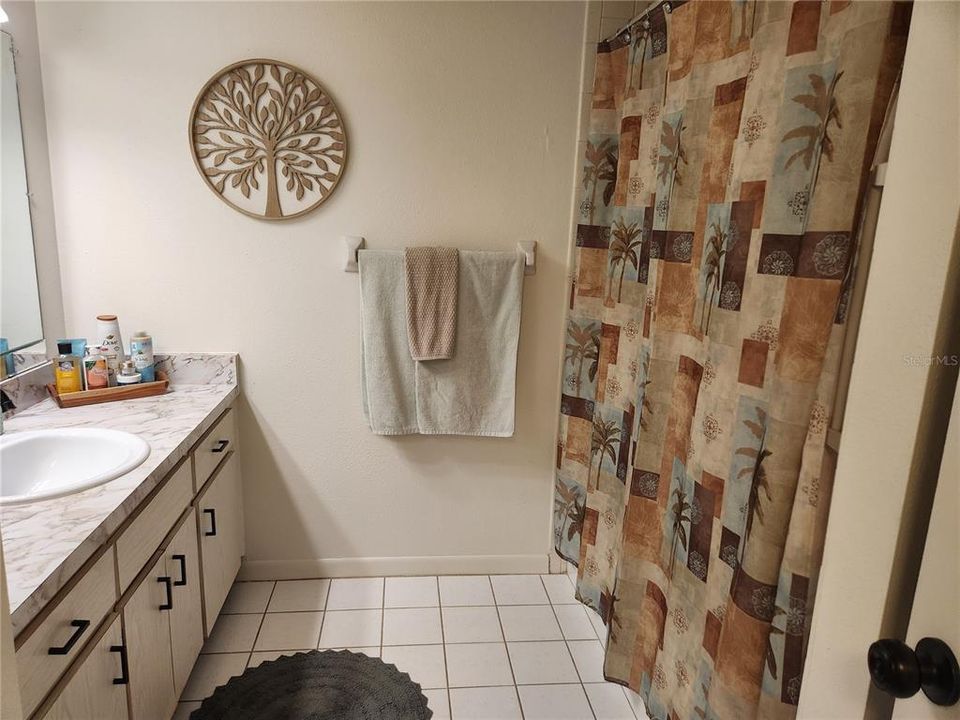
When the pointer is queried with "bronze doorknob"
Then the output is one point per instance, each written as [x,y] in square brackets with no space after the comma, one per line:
[901,672]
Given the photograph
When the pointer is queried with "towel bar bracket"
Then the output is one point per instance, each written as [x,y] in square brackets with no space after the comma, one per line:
[529,250]
[353,243]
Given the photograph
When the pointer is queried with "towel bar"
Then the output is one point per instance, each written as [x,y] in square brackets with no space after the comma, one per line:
[353,243]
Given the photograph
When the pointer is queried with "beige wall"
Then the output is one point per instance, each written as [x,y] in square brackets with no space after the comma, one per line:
[462,123]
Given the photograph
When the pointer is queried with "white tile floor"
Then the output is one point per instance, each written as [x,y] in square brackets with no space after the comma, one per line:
[482,648]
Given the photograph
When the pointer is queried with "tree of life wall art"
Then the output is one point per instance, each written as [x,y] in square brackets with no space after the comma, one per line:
[268,139]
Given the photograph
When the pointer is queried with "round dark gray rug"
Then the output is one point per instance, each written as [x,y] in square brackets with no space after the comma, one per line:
[318,685]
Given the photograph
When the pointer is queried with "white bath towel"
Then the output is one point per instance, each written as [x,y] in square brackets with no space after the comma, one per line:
[472,393]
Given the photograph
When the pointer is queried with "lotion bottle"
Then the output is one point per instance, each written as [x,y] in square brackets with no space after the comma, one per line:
[108,330]
[95,371]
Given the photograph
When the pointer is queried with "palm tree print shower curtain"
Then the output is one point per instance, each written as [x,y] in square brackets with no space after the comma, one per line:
[729,147]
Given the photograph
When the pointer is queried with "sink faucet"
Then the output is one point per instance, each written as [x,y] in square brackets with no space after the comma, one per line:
[5,404]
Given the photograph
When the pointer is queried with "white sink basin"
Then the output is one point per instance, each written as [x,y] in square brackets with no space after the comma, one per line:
[43,464]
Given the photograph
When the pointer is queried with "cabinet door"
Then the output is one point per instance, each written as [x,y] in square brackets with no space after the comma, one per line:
[98,689]
[146,623]
[220,520]
[186,615]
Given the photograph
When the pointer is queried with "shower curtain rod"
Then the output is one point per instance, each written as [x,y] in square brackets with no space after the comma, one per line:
[665,4]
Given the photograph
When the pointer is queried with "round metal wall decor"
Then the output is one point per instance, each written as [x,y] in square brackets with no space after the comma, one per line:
[268,139]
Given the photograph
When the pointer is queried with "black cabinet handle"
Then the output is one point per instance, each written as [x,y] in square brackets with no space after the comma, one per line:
[221,446]
[182,559]
[168,605]
[213,522]
[124,667]
[81,626]
[899,671]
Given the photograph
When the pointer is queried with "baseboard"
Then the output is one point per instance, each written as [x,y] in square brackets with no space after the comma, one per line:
[558,565]
[382,566]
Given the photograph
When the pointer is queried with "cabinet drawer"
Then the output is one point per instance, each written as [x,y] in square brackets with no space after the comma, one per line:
[67,629]
[143,536]
[213,447]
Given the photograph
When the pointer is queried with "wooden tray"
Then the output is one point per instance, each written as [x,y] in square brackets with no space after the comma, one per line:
[111,394]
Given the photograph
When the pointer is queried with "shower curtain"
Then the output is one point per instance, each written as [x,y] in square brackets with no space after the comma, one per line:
[729,146]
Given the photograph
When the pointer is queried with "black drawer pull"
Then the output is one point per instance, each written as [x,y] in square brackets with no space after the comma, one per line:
[80,626]
[182,559]
[124,667]
[168,605]
[213,522]
[221,446]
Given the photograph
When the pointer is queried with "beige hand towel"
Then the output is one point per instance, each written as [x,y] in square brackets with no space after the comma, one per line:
[432,275]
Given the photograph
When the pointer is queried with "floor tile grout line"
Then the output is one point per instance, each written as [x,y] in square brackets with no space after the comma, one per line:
[263,617]
[566,644]
[506,649]
[383,611]
[538,684]
[323,618]
[410,644]
[443,637]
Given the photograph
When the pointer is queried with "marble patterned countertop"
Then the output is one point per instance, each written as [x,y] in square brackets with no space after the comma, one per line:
[46,542]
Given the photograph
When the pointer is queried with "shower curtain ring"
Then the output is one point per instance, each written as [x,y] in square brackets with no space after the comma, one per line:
[667,9]
[646,23]
[626,36]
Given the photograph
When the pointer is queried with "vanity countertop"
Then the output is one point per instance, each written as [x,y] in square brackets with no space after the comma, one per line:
[46,542]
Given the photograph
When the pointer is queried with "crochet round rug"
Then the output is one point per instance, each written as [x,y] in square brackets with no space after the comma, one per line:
[318,685]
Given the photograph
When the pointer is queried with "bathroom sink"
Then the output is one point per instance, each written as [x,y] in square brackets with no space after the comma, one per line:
[43,464]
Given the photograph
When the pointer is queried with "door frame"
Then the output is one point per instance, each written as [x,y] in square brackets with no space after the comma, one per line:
[901,387]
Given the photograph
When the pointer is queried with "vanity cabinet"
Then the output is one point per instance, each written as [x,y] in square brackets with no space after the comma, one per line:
[98,689]
[220,519]
[120,640]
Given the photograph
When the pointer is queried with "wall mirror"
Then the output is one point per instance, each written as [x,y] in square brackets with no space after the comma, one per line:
[21,331]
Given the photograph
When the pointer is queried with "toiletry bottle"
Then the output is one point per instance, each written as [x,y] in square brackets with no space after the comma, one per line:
[78,348]
[113,364]
[95,371]
[128,374]
[141,352]
[108,333]
[7,368]
[66,370]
